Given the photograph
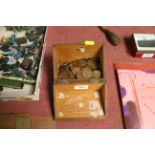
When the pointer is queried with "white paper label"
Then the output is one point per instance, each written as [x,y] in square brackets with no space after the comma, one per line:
[81,87]
[150,55]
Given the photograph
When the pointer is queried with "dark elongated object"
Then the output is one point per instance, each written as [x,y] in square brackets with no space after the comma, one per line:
[112,37]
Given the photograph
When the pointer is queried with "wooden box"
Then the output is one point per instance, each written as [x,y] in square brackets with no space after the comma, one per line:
[78,98]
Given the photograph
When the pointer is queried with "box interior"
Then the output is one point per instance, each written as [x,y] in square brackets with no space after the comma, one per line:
[71,52]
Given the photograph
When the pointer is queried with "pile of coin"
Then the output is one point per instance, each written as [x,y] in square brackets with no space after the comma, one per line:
[80,69]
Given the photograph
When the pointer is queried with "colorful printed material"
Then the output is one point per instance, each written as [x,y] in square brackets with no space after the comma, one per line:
[138,97]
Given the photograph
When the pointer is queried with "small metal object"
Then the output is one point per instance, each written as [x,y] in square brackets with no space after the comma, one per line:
[97,74]
[63,75]
[79,75]
[92,63]
[87,73]
[82,63]
[66,74]
[75,70]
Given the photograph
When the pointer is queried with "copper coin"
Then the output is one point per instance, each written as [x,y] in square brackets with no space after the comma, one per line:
[66,74]
[82,63]
[70,75]
[63,75]
[97,74]
[75,70]
[74,63]
[93,63]
[79,75]
[87,73]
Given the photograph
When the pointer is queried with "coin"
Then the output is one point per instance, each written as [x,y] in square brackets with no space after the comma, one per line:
[97,74]
[80,69]
[66,74]
[79,75]
[87,73]
[74,63]
[75,70]
[70,75]
[92,63]
[82,63]
[63,75]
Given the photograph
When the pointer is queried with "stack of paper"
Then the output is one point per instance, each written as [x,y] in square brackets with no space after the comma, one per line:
[138,97]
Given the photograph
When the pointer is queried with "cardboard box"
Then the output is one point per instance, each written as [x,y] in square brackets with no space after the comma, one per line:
[24,121]
[144,45]
[13,85]
[78,98]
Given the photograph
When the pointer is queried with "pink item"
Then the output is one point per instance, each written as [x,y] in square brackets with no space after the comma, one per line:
[138,97]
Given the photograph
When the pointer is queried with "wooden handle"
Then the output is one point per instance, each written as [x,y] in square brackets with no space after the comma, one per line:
[112,37]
